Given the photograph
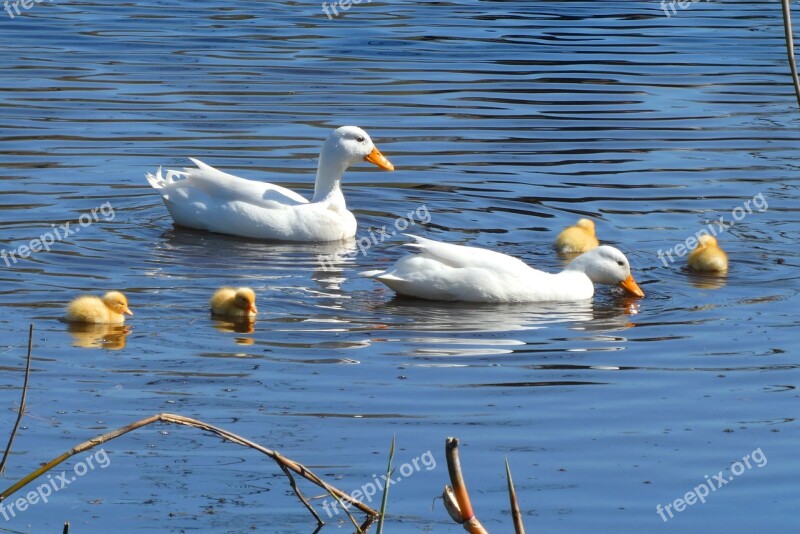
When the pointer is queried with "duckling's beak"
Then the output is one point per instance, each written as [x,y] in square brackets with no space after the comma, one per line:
[631,286]
[127,311]
[252,308]
[376,158]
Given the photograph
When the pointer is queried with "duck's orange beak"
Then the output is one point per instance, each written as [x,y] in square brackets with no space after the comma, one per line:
[252,308]
[376,158]
[630,285]
[127,311]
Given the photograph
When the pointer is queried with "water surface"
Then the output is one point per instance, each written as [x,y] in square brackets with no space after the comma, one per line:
[507,121]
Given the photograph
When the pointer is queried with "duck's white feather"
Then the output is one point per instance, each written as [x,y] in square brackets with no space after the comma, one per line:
[209,199]
[443,271]
[222,185]
[205,198]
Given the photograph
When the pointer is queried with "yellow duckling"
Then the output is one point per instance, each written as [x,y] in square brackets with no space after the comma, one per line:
[708,256]
[234,303]
[93,310]
[579,238]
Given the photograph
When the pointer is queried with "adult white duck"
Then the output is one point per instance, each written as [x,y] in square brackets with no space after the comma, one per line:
[441,271]
[209,199]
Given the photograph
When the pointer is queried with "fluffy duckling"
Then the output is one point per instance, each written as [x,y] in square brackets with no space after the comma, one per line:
[708,256]
[93,310]
[579,238]
[234,303]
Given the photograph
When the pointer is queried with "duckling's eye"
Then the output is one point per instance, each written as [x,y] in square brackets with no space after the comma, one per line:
[360,138]
[620,263]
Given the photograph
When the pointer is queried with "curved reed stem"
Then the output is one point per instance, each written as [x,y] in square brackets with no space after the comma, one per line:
[284,462]
[786,6]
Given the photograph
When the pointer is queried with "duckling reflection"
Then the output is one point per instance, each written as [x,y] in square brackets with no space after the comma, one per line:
[98,336]
[709,280]
[243,326]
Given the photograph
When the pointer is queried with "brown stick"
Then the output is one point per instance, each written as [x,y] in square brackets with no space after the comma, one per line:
[457,497]
[308,506]
[281,460]
[787,31]
[21,403]
[516,515]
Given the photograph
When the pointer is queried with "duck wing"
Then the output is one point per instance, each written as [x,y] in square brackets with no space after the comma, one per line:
[461,257]
[211,186]
[441,271]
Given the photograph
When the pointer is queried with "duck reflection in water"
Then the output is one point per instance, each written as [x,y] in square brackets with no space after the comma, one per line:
[710,280]
[99,336]
[245,326]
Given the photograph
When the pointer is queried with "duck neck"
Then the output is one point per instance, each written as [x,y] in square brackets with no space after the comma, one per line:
[329,177]
[578,264]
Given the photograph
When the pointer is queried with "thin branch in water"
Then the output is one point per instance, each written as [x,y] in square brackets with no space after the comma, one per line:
[456,498]
[516,515]
[786,6]
[21,403]
[308,506]
[281,460]
[349,515]
[385,499]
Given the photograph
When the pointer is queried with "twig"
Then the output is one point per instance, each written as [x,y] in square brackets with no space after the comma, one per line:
[516,515]
[787,29]
[281,460]
[352,519]
[293,483]
[385,499]
[456,499]
[21,403]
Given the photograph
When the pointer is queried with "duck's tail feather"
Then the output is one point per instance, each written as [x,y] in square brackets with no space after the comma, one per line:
[161,182]
[390,277]
[156,180]
[419,242]
[200,165]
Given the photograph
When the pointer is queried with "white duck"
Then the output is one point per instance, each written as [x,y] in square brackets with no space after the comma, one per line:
[442,271]
[209,199]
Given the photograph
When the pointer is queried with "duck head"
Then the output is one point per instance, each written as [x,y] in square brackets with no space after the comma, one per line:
[116,302]
[586,225]
[349,145]
[245,299]
[607,265]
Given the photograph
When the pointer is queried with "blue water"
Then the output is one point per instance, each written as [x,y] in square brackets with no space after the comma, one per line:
[506,121]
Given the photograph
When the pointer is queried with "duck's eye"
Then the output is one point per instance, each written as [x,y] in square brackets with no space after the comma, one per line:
[360,138]
[620,263]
